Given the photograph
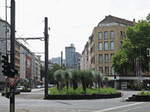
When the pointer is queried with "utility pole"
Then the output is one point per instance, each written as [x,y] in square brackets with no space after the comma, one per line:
[61,59]
[12,52]
[46,56]
[6,30]
[46,38]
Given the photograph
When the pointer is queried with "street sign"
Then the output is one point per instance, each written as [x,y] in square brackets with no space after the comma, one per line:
[12,81]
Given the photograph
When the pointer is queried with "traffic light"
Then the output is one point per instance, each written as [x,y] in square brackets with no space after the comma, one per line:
[5,64]
[8,70]
[13,72]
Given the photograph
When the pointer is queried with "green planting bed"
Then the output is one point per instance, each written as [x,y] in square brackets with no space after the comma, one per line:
[78,93]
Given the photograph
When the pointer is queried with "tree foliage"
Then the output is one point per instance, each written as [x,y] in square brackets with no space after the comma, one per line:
[148,18]
[133,49]
[51,71]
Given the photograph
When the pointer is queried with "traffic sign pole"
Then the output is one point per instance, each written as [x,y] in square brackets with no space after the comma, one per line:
[12,56]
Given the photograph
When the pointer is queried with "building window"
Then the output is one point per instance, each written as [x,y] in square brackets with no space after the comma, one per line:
[100,58]
[105,35]
[112,45]
[101,69]
[100,46]
[91,39]
[105,45]
[112,71]
[107,70]
[106,58]
[99,35]
[122,34]
[111,56]
[93,60]
[92,49]
[120,44]
[112,35]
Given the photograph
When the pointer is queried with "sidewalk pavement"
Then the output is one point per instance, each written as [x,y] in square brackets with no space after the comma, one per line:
[37,89]
[44,109]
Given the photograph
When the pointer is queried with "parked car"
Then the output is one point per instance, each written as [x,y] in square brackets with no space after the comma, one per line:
[50,85]
[20,88]
[39,86]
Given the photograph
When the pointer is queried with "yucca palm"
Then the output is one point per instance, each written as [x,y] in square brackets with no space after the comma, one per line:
[67,77]
[58,77]
[84,79]
[105,80]
[89,79]
[97,78]
[75,79]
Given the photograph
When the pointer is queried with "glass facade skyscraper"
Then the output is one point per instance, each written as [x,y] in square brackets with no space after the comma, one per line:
[70,56]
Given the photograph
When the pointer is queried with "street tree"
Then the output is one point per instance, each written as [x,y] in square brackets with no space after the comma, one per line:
[133,49]
[148,18]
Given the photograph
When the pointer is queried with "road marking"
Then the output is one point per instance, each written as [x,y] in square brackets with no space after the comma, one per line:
[130,109]
[32,93]
[118,107]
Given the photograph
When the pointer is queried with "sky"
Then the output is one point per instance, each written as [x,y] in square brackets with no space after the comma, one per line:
[70,21]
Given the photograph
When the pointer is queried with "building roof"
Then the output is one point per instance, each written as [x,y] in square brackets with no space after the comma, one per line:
[111,19]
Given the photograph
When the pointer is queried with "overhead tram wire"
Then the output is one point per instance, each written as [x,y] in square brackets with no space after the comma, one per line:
[30,38]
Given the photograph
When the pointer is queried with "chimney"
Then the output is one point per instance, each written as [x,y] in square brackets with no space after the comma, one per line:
[134,20]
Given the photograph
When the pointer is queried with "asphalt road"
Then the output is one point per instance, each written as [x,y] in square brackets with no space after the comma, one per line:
[33,102]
